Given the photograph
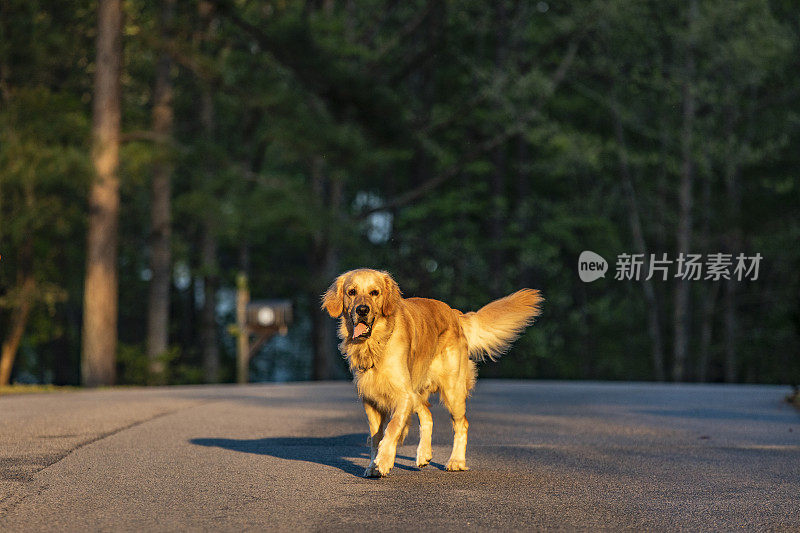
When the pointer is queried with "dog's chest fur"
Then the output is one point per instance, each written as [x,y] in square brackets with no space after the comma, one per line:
[379,365]
[379,386]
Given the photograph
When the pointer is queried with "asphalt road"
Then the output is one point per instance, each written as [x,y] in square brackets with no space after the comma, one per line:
[543,455]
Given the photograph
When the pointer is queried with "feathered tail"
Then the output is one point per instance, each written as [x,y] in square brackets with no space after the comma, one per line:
[491,330]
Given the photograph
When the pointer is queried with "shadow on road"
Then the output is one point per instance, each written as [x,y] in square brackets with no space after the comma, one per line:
[338,452]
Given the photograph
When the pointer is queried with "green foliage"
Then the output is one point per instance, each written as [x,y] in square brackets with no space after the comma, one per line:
[133,367]
[45,168]
[487,129]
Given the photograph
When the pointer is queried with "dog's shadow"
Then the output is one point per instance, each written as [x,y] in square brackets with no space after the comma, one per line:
[338,452]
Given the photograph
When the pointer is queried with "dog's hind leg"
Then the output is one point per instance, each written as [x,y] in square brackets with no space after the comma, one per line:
[455,399]
[377,423]
[424,453]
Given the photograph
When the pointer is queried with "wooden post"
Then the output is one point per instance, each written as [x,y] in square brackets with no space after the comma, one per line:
[243,340]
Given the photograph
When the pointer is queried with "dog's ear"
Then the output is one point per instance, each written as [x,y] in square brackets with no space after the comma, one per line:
[333,299]
[391,294]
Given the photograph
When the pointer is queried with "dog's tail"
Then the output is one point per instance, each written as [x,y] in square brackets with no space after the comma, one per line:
[491,330]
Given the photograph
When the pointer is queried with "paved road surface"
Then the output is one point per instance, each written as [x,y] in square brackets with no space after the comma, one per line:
[263,457]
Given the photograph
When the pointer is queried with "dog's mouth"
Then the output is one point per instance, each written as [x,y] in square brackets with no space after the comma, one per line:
[361,330]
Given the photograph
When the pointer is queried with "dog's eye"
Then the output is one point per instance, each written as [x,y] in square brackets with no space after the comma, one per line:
[373,292]
[351,292]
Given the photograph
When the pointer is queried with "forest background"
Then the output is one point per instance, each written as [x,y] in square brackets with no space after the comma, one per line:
[151,152]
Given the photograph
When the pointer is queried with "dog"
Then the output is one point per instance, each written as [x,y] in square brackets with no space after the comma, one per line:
[401,350]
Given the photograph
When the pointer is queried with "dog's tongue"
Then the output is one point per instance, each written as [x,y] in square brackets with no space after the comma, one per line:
[360,329]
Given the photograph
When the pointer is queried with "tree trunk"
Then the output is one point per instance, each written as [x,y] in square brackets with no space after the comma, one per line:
[497,219]
[712,289]
[100,290]
[208,239]
[653,313]
[208,318]
[208,251]
[682,308]
[522,210]
[322,335]
[187,317]
[732,285]
[706,332]
[64,363]
[325,262]
[160,249]
[730,330]
[19,319]
[521,153]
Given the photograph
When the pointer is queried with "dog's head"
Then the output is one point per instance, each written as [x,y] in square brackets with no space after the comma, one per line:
[361,297]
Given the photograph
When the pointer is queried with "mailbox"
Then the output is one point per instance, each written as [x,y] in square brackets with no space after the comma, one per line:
[262,319]
[269,315]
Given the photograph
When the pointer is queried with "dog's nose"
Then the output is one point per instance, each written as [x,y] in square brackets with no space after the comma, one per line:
[362,310]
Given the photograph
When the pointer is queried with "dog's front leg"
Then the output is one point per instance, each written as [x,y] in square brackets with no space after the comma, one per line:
[377,422]
[387,449]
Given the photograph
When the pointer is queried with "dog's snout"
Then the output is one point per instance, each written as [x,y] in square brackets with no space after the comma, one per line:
[362,310]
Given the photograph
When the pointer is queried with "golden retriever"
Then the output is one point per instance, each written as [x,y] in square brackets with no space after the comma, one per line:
[401,350]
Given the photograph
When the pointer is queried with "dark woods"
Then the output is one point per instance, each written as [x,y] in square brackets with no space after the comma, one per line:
[470,148]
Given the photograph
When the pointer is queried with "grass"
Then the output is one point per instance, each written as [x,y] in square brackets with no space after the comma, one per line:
[32,389]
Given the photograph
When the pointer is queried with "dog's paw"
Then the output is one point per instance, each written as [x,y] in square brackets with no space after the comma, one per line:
[383,470]
[383,465]
[372,471]
[456,465]
[424,458]
[378,469]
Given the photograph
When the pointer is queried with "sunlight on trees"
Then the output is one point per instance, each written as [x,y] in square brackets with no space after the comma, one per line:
[469,148]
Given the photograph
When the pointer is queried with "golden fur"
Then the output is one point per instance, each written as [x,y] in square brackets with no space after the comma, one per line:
[414,347]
